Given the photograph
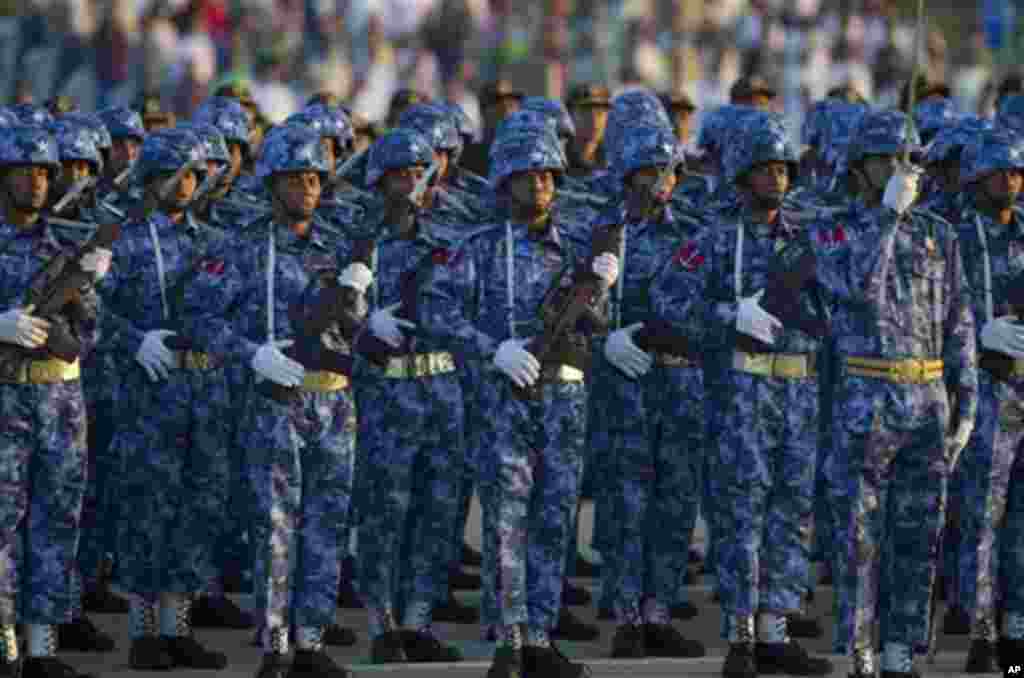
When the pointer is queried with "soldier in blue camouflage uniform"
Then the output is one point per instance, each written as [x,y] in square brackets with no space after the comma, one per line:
[487,302]
[126,136]
[228,206]
[903,325]
[407,385]
[298,428]
[43,465]
[173,439]
[990,223]
[444,203]
[767,397]
[654,477]
[461,177]
[81,162]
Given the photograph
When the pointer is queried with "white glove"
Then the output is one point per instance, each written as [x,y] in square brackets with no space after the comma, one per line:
[620,351]
[154,356]
[356,275]
[902,190]
[18,327]
[385,325]
[1004,335]
[97,261]
[271,364]
[754,321]
[606,267]
[517,363]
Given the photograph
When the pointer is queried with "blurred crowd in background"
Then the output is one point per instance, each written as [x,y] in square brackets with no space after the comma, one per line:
[111,52]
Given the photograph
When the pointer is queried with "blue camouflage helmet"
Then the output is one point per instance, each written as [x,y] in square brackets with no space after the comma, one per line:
[29,145]
[882,133]
[839,121]
[123,123]
[329,122]
[399,148]
[763,139]
[527,122]
[1011,112]
[934,115]
[227,115]
[646,147]
[636,107]
[93,122]
[467,129]
[990,151]
[716,126]
[556,110]
[291,148]
[948,143]
[168,150]
[30,114]
[212,141]
[434,123]
[77,142]
[813,126]
[524,152]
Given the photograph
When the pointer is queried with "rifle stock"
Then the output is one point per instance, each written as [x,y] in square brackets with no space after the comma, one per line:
[562,310]
[337,305]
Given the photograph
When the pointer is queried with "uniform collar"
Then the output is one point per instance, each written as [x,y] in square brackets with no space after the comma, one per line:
[288,239]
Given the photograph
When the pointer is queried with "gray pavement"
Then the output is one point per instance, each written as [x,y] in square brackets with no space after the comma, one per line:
[245,659]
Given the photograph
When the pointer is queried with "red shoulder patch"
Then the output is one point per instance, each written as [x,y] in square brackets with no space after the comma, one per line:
[212,266]
[688,257]
[839,234]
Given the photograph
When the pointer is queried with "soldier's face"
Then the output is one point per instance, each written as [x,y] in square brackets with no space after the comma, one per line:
[769,182]
[682,119]
[590,122]
[399,183]
[642,181]
[235,150]
[299,191]
[443,160]
[123,152]
[330,151]
[28,186]
[1003,187]
[532,191]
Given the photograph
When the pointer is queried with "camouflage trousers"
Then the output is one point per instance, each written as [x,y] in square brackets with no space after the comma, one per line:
[1011,543]
[656,436]
[530,465]
[42,483]
[411,440]
[174,485]
[299,471]
[986,466]
[233,551]
[100,508]
[890,444]
[763,479]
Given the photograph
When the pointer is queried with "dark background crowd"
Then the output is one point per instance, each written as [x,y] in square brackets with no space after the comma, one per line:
[108,52]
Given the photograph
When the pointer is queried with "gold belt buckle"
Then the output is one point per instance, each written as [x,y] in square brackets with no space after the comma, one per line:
[194,360]
[51,371]
[791,367]
[569,374]
[324,382]
[419,365]
[669,360]
[1018,368]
